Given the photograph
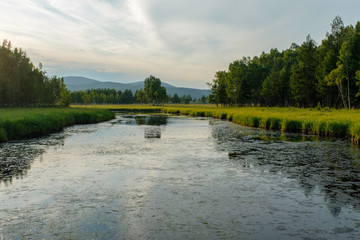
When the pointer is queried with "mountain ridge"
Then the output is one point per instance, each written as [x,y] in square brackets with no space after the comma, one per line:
[79,83]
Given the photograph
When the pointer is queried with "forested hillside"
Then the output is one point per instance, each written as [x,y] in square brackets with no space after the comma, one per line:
[308,75]
[23,84]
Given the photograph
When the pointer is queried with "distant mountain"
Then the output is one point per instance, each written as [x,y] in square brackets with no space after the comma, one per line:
[74,83]
[78,81]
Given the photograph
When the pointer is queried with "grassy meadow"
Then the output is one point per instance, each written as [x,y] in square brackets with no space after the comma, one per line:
[323,122]
[20,123]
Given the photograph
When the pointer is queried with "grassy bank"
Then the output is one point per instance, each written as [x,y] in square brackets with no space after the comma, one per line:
[323,122]
[20,123]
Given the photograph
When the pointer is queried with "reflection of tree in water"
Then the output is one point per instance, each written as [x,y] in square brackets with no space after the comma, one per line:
[333,167]
[16,157]
[151,120]
[140,120]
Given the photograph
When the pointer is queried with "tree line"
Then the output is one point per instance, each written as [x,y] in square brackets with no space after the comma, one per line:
[111,96]
[152,92]
[23,84]
[102,96]
[308,75]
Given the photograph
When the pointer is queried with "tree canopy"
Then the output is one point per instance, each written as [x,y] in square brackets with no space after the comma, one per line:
[304,76]
[23,84]
[154,91]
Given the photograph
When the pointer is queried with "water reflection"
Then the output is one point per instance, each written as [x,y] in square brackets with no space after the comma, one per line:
[140,120]
[16,157]
[331,165]
[153,123]
[151,120]
[197,181]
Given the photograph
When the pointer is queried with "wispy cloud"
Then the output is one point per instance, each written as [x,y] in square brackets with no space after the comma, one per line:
[183,42]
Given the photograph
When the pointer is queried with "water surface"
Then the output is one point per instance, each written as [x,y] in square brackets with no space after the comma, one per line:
[153,177]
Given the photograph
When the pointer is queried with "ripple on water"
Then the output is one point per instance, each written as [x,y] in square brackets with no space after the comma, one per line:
[147,177]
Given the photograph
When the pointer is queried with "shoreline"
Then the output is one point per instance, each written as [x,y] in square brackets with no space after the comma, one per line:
[326,122]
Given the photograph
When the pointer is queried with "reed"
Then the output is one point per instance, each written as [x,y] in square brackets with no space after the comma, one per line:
[322,122]
[20,123]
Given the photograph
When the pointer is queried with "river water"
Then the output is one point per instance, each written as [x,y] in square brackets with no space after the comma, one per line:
[159,177]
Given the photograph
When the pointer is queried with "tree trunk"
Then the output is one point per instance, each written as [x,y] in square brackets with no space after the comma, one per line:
[348,82]
[342,94]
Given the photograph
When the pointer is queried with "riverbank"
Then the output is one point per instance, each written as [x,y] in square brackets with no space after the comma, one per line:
[20,123]
[323,122]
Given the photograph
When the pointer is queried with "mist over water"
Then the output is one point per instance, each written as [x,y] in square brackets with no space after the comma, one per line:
[162,177]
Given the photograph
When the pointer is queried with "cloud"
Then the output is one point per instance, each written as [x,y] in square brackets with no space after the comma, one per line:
[183,42]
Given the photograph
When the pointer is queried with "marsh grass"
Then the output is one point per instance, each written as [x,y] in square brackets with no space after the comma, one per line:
[319,121]
[20,123]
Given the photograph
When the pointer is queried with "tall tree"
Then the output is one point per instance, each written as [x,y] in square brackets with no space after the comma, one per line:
[219,87]
[272,87]
[303,77]
[344,76]
[238,86]
[153,89]
[329,52]
[127,97]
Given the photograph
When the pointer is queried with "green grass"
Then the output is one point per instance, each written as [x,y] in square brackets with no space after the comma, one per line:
[322,122]
[20,123]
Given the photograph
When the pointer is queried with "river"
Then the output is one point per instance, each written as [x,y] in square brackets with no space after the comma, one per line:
[173,177]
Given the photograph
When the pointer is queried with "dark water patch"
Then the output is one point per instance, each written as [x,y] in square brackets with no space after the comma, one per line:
[331,166]
[16,157]
[153,132]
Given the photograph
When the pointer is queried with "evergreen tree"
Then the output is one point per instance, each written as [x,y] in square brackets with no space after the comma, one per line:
[303,75]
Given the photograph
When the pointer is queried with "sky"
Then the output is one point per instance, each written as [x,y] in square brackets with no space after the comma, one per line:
[182,42]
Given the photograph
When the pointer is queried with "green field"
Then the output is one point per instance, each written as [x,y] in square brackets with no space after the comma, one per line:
[323,122]
[20,123]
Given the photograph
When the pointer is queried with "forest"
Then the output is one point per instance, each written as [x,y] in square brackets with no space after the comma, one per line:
[111,96]
[309,75]
[23,84]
